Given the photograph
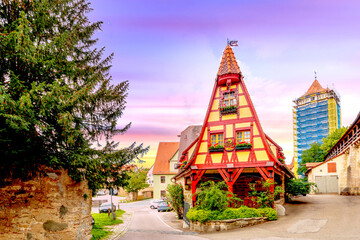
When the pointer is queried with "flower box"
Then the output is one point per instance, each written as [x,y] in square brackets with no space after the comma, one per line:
[216,149]
[243,146]
[228,109]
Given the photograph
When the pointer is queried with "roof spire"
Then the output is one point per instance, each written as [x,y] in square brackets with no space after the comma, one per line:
[314,88]
[315,75]
[228,62]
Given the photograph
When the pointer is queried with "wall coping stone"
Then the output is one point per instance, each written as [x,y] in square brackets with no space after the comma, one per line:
[224,225]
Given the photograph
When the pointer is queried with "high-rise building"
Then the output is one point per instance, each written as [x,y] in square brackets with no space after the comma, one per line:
[316,114]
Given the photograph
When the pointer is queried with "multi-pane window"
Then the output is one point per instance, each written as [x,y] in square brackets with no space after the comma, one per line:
[163,193]
[162,179]
[243,136]
[229,99]
[217,139]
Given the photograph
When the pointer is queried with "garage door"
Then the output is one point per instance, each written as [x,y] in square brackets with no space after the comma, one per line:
[327,184]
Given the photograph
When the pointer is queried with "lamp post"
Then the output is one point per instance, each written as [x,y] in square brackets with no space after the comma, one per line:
[112,208]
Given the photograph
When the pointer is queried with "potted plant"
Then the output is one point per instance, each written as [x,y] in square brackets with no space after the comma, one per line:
[183,164]
[216,148]
[243,145]
[228,109]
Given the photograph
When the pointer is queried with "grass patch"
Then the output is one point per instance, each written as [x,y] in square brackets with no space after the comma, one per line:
[101,220]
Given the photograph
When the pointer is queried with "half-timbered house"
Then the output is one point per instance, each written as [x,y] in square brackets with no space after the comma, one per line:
[232,145]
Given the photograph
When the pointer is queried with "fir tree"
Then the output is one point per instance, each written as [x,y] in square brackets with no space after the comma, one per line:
[56,96]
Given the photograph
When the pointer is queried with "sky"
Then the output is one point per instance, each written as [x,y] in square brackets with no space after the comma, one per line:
[170,52]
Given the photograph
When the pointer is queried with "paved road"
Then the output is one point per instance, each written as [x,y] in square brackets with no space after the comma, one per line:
[146,224]
[327,217]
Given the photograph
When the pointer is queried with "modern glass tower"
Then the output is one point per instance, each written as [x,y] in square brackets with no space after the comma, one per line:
[316,114]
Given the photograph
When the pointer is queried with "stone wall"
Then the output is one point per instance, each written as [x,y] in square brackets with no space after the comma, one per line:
[349,179]
[48,207]
[224,225]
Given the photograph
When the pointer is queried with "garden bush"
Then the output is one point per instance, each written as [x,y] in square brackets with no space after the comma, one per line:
[235,213]
[270,213]
[296,187]
[214,196]
[175,196]
[201,215]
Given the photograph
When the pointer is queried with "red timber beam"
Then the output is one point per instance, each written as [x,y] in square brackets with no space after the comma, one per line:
[230,176]
[195,178]
[267,173]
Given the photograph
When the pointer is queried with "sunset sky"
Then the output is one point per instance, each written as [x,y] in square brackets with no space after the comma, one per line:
[170,52]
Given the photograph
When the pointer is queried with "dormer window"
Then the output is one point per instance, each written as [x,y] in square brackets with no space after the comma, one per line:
[228,103]
[229,99]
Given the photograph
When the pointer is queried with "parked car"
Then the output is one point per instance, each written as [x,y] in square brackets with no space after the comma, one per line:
[155,203]
[163,206]
[113,192]
[105,206]
[101,192]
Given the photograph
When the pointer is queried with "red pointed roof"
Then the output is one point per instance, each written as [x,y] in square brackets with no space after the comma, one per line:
[314,88]
[165,152]
[228,62]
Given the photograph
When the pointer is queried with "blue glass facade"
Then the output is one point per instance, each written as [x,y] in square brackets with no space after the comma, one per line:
[312,122]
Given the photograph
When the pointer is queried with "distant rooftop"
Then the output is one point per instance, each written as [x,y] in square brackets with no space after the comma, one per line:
[315,88]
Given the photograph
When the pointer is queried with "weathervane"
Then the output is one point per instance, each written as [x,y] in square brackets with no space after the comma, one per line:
[232,43]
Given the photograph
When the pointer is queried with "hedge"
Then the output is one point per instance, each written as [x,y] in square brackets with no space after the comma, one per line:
[202,216]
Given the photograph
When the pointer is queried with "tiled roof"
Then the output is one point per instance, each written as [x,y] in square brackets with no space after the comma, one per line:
[291,165]
[165,152]
[228,62]
[315,88]
[188,136]
[310,165]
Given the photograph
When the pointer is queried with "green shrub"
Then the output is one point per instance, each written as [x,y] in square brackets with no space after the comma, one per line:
[265,198]
[235,213]
[229,213]
[175,196]
[296,187]
[201,215]
[270,213]
[214,196]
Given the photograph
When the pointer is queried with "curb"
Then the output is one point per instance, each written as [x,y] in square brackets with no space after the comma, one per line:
[120,229]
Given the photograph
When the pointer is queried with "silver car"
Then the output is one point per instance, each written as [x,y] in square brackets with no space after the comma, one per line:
[105,207]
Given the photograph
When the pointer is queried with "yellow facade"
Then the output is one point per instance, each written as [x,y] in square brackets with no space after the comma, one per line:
[158,186]
[229,117]
[229,131]
[333,117]
[243,156]
[242,101]
[215,105]
[245,112]
[200,159]
[203,147]
[214,116]
[261,156]
[242,125]
[216,128]
[216,157]
[258,143]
